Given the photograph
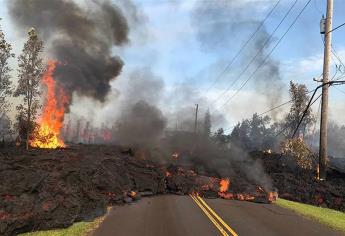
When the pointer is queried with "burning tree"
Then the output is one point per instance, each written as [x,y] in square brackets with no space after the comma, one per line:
[30,73]
[53,112]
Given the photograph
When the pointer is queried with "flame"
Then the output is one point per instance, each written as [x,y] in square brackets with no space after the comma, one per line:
[224,185]
[51,120]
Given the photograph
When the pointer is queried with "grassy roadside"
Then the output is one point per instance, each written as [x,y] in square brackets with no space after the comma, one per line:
[329,217]
[77,229]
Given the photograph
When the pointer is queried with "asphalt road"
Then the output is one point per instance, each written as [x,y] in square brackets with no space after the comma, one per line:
[171,215]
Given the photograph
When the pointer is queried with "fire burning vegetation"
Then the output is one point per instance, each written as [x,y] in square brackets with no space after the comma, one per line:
[51,120]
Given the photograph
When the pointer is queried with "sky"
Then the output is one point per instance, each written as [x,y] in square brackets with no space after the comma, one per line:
[169,41]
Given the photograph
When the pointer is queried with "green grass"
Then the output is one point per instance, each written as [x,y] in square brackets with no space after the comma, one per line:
[326,216]
[77,229]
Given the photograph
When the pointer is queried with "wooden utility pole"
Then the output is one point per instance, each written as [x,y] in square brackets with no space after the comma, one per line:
[323,152]
[196,118]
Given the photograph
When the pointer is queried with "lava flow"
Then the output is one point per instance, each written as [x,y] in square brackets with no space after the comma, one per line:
[223,189]
[51,120]
[224,185]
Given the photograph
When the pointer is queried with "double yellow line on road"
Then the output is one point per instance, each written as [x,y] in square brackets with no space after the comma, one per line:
[223,227]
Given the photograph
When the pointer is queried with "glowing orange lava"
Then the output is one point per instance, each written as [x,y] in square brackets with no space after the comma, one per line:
[51,120]
[224,185]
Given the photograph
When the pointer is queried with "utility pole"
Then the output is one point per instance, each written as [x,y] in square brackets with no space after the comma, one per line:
[196,118]
[323,152]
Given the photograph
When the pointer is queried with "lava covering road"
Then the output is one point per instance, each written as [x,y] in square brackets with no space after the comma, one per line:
[43,188]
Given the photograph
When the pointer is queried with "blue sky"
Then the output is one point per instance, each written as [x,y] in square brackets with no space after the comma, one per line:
[179,58]
[170,47]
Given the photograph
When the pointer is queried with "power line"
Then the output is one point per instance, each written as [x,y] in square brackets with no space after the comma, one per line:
[287,125]
[314,129]
[269,54]
[305,112]
[340,90]
[330,83]
[336,72]
[335,54]
[307,107]
[281,105]
[340,77]
[336,28]
[243,46]
[258,52]
[274,108]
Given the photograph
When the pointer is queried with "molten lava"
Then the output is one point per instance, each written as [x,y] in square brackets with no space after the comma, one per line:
[51,120]
[224,185]
[133,194]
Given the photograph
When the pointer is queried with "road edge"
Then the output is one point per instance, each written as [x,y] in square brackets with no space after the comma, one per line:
[325,216]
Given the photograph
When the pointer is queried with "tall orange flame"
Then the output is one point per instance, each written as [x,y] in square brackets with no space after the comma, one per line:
[51,120]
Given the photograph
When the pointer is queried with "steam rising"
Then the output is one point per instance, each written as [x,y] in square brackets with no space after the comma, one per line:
[80,39]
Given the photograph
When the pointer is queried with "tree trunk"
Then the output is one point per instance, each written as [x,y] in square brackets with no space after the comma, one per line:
[27,139]
[28,126]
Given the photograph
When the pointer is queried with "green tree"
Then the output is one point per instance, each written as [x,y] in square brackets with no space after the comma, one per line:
[298,93]
[255,134]
[258,131]
[5,82]
[31,68]
[240,135]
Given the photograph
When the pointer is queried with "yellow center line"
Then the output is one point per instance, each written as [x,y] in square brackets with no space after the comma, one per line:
[217,217]
[222,231]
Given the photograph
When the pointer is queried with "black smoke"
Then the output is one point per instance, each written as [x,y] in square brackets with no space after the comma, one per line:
[141,125]
[80,37]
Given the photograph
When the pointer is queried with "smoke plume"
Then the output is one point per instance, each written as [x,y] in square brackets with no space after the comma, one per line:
[141,125]
[80,38]
[140,121]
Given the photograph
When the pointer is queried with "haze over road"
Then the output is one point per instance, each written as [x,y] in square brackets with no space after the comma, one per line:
[171,215]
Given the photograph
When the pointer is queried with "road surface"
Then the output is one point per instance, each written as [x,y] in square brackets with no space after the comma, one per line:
[171,215]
